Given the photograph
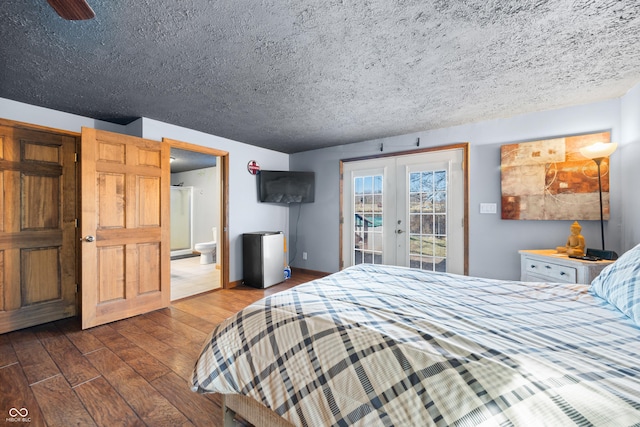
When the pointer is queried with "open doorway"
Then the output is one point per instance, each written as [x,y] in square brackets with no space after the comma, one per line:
[198,220]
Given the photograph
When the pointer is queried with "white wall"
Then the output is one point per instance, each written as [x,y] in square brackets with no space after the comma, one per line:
[629,153]
[493,243]
[246,213]
[206,196]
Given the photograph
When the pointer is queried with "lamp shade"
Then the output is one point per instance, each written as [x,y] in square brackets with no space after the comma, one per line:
[599,150]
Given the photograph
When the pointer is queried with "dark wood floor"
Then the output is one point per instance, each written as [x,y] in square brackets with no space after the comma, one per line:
[127,373]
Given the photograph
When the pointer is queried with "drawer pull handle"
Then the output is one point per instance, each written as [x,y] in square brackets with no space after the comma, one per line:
[562,273]
[533,266]
[546,266]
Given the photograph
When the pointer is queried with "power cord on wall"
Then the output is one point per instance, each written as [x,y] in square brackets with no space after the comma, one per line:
[294,241]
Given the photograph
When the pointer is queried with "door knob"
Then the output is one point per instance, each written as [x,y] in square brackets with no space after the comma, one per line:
[399,231]
[89,239]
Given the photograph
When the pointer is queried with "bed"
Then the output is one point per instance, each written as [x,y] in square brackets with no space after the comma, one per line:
[380,345]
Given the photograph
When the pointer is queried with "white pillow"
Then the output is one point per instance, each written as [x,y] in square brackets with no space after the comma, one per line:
[619,284]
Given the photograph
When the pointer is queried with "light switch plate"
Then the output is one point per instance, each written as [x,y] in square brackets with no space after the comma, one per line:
[488,208]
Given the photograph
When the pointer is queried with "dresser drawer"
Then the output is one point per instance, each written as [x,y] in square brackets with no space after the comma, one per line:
[554,272]
[546,265]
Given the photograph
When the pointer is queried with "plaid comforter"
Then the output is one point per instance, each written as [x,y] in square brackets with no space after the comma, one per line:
[378,345]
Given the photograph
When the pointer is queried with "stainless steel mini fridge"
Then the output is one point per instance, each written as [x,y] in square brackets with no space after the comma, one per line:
[263,258]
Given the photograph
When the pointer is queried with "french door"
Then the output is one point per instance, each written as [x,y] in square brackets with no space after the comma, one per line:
[406,210]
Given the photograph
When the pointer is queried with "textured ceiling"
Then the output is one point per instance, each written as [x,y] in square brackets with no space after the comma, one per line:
[185,160]
[302,74]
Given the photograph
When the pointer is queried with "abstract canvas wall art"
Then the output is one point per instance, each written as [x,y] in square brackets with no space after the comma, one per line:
[550,180]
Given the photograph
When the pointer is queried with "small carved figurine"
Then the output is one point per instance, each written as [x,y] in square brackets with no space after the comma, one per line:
[575,242]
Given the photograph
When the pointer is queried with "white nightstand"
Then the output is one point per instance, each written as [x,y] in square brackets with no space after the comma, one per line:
[546,265]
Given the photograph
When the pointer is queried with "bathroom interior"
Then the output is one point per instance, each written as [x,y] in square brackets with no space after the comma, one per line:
[195,223]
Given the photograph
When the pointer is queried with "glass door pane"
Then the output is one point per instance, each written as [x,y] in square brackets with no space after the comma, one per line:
[368,219]
[181,220]
[428,220]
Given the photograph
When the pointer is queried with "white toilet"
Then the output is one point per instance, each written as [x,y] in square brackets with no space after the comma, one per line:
[207,249]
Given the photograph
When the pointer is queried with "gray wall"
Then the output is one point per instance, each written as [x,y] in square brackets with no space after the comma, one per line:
[493,243]
[246,214]
[21,112]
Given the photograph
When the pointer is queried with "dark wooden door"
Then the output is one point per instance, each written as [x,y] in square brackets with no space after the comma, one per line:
[37,226]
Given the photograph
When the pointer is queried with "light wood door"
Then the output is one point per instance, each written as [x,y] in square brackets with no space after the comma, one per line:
[37,226]
[125,247]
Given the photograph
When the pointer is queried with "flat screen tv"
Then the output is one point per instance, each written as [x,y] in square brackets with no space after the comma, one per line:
[286,186]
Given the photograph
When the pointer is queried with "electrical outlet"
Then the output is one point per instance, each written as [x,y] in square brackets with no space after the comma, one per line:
[304,255]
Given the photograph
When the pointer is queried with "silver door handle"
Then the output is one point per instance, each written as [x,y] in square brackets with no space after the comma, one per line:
[399,231]
[89,239]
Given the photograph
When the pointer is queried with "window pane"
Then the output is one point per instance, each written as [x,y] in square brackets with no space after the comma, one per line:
[367,241]
[427,245]
[427,263]
[377,222]
[368,185]
[440,178]
[414,224]
[440,201]
[427,224]
[414,262]
[427,202]
[414,245]
[368,219]
[440,246]
[414,202]
[358,240]
[368,203]
[377,203]
[377,184]
[427,231]
[358,185]
[414,182]
[427,182]
[441,224]
[357,257]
